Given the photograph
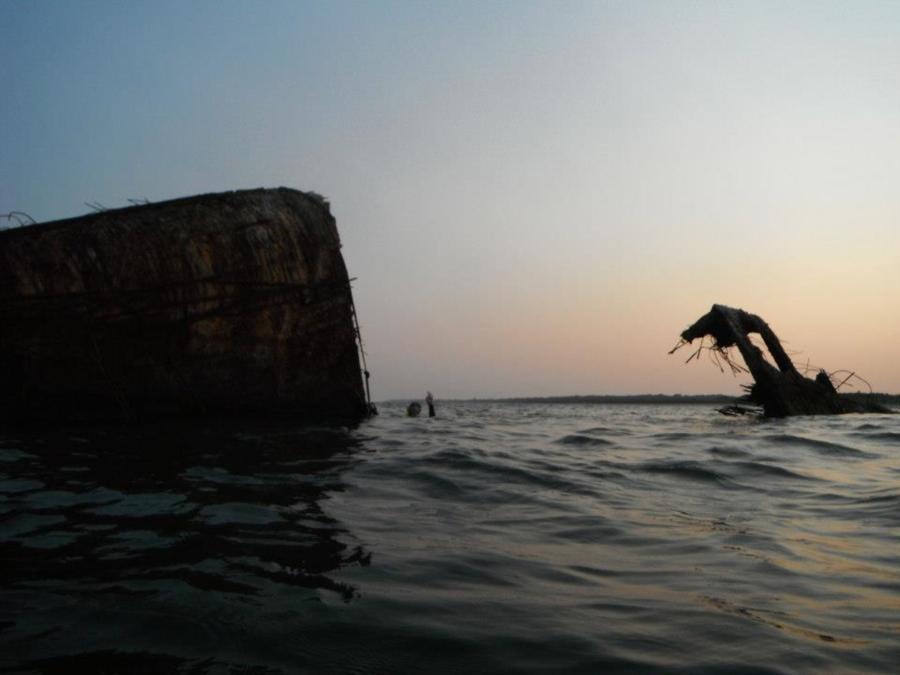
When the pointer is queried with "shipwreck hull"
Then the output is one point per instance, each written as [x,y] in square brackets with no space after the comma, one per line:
[230,303]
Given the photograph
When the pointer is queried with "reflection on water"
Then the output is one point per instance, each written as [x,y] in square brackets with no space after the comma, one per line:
[124,549]
[494,538]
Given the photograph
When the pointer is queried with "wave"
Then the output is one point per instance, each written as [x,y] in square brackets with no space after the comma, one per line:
[582,440]
[684,469]
[827,448]
[467,478]
[610,431]
[890,436]
[771,470]
[728,452]
[778,620]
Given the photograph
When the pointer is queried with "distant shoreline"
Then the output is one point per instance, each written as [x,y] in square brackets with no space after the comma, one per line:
[671,399]
[624,398]
[597,398]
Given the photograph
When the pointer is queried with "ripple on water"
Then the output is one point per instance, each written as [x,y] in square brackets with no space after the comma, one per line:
[883,507]
[771,470]
[147,504]
[608,431]
[50,540]
[63,499]
[891,437]
[27,523]
[582,439]
[825,448]
[234,513]
[688,470]
[139,540]
[14,455]
[721,451]
[16,486]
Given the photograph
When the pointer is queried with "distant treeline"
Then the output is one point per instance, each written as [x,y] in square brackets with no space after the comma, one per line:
[635,398]
[889,400]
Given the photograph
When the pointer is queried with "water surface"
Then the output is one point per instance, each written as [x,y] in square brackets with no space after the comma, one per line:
[494,538]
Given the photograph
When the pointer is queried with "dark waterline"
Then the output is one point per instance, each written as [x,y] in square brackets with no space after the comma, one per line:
[495,538]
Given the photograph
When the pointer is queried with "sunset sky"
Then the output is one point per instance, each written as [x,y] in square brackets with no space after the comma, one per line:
[535,197]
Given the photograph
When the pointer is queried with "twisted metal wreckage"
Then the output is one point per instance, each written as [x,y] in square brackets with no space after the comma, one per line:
[780,389]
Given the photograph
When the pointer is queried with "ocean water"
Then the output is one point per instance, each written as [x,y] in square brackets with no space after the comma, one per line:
[495,538]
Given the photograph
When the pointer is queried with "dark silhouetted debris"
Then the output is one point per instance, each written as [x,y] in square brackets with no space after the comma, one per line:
[780,389]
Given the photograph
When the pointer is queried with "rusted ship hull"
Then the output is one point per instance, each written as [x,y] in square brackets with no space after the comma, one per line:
[231,303]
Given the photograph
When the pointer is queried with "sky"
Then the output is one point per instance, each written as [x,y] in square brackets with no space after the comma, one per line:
[536,198]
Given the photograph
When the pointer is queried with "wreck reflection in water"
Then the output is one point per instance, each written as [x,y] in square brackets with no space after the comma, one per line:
[146,549]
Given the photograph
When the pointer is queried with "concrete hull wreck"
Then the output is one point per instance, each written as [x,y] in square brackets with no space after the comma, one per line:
[780,389]
[226,303]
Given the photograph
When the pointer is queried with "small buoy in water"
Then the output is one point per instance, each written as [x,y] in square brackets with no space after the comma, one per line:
[413,409]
